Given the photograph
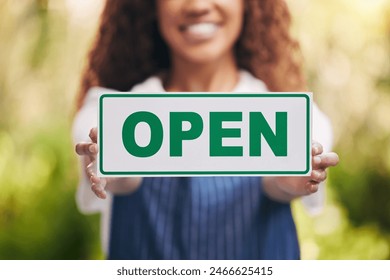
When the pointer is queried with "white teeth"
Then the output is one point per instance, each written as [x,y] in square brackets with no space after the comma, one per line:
[202,29]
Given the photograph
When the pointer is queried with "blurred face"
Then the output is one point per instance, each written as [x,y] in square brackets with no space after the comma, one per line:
[200,31]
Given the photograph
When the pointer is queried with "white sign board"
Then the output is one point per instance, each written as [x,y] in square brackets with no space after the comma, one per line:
[202,134]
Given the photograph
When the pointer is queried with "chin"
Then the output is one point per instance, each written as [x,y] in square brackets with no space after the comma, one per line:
[204,54]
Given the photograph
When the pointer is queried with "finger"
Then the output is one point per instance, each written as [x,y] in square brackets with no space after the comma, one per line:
[311,187]
[99,192]
[325,160]
[94,179]
[99,185]
[318,175]
[316,148]
[86,149]
[93,134]
[316,162]
[91,169]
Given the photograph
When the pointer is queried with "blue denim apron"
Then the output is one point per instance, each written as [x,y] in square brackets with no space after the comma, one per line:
[201,218]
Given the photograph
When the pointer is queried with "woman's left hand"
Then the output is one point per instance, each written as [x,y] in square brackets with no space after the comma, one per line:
[288,188]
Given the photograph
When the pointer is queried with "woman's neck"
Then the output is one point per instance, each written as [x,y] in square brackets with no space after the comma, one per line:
[221,75]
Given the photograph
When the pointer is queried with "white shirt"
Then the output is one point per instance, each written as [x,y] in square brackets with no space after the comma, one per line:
[86,119]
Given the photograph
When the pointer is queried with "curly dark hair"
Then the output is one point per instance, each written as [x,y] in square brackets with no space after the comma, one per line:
[129,48]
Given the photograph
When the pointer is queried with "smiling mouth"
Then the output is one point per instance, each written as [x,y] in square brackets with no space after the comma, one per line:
[200,31]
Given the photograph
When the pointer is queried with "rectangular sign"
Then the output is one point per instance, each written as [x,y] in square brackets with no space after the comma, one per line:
[202,134]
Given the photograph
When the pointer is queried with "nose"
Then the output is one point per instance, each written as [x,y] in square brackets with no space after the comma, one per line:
[197,8]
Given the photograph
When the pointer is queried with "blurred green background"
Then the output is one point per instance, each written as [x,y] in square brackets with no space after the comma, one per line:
[43,45]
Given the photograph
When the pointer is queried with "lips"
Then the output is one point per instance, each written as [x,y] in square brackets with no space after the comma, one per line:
[198,32]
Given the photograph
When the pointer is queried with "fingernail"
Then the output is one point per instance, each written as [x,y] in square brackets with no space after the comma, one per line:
[316,160]
[92,148]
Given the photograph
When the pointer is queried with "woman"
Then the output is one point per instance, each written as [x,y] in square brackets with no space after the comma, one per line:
[195,45]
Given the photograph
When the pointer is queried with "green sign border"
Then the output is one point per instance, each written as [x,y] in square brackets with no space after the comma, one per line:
[206,95]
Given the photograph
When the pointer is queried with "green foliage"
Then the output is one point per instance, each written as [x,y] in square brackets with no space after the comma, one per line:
[38,176]
[346,48]
[364,189]
[331,236]
[38,215]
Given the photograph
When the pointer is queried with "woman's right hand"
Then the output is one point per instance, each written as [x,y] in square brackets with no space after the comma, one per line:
[120,185]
